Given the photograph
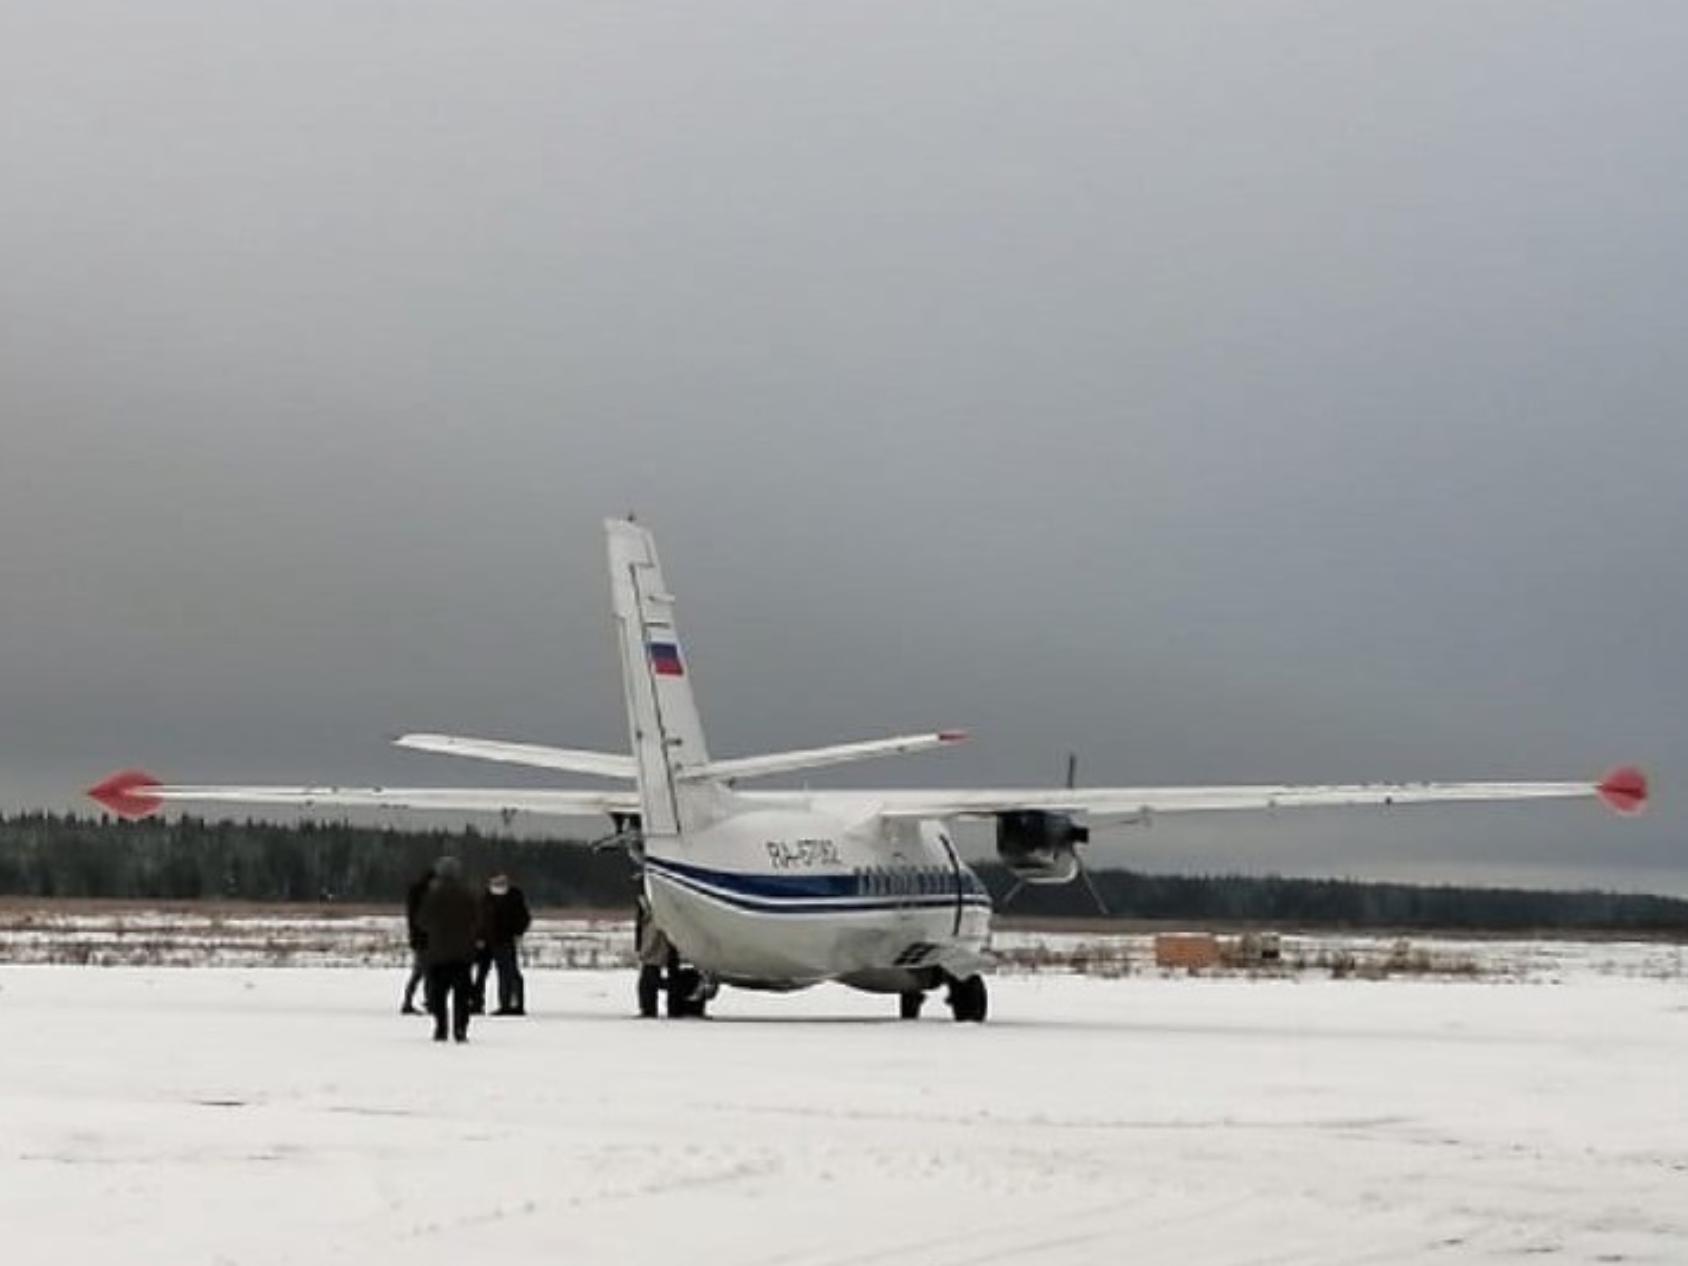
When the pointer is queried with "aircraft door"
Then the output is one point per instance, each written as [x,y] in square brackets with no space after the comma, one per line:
[957,883]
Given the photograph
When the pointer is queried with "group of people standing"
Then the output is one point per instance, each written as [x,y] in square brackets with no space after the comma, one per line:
[457,936]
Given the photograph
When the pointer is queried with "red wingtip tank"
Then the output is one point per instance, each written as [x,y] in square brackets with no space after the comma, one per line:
[125,794]
[1624,790]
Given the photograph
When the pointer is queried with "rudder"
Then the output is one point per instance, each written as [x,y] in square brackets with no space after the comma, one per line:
[662,715]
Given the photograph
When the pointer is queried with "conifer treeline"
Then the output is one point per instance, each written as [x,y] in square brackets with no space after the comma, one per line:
[1345,903]
[189,858]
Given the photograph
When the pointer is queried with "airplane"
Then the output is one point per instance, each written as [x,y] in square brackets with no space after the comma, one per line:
[781,890]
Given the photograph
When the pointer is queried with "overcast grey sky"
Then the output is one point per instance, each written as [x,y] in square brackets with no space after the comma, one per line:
[1231,392]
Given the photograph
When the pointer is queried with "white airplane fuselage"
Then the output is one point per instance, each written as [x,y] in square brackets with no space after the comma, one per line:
[774,897]
[778,899]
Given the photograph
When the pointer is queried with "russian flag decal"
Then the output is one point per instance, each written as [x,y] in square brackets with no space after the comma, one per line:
[665,660]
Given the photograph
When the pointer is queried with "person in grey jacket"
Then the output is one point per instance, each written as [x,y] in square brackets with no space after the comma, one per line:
[449,917]
[418,967]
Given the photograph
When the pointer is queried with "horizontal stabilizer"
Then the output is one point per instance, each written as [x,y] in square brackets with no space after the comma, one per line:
[816,757]
[534,755]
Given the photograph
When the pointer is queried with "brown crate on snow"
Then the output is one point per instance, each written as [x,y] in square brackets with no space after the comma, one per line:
[1193,950]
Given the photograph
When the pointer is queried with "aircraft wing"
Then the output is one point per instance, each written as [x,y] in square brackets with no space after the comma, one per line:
[534,755]
[1624,790]
[132,794]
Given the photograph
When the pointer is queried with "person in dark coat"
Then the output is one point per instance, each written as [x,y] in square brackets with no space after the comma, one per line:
[504,919]
[418,968]
[450,919]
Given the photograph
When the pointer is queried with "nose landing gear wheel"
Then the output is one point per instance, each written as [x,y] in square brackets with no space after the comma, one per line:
[968,1001]
[909,1004]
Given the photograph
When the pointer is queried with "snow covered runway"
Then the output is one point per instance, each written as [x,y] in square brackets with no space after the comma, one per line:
[202,1116]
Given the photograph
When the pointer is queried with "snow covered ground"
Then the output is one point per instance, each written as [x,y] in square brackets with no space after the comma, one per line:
[282,937]
[289,1115]
[273,937]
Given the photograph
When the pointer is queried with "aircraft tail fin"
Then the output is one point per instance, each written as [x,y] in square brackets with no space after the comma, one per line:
[662,715]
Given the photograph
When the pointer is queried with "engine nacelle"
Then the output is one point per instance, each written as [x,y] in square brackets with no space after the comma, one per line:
[1039,846]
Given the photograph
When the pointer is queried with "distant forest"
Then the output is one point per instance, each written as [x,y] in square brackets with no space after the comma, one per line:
[189,858]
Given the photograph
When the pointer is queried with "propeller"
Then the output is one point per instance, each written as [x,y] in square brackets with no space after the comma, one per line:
[1095,893]
[1083,870]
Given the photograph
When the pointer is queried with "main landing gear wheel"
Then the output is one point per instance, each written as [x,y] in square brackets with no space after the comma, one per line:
[685,993]
[968,1001]
[909,1004]
[650,991]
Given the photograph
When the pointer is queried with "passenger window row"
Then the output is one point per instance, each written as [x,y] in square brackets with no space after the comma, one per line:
[903,881]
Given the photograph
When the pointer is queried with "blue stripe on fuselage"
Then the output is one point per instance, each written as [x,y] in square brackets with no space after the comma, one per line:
[809,894]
